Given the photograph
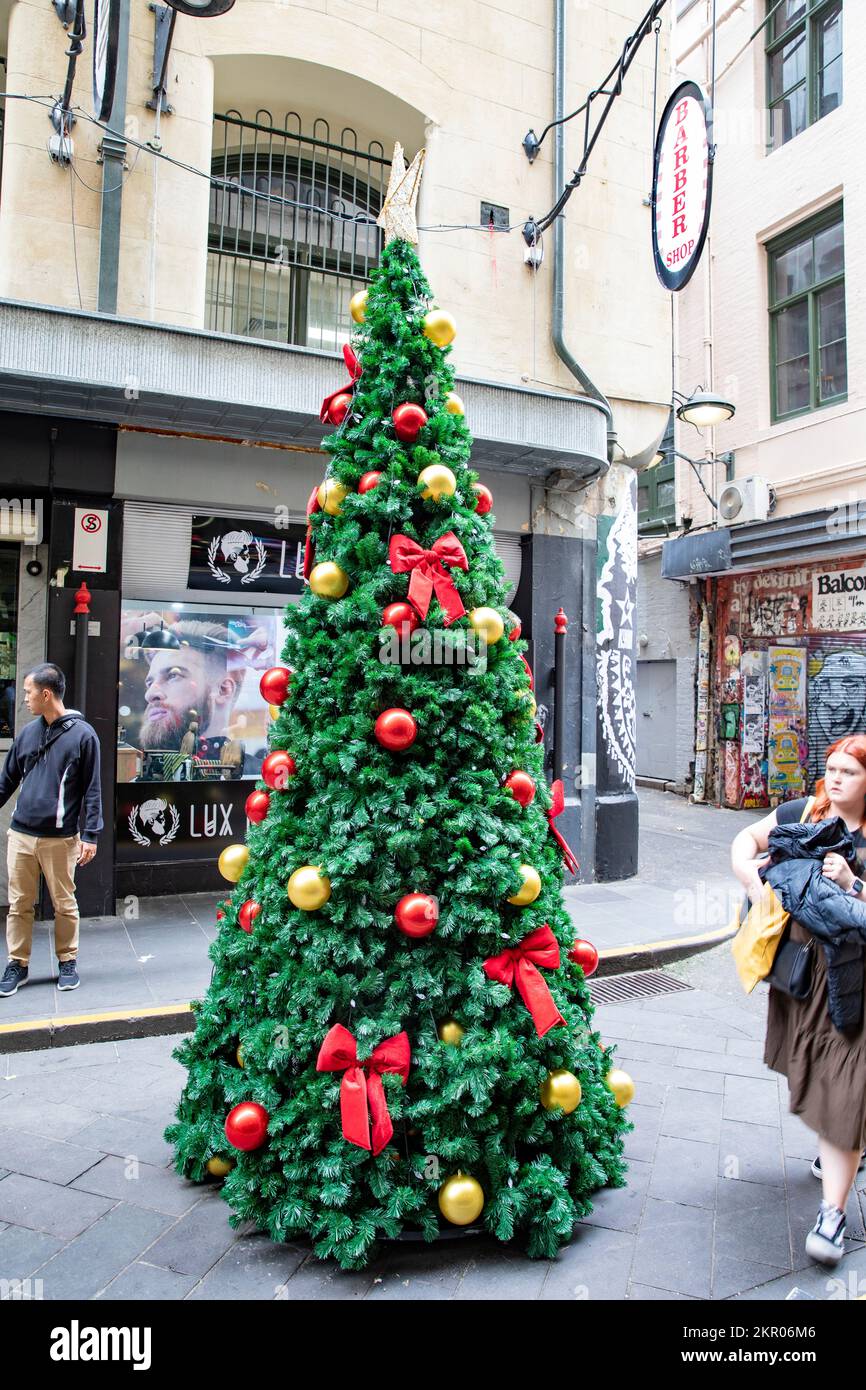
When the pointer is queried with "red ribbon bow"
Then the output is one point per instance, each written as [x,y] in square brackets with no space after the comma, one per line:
[428,574]
[355,369]
[558,795]
[361,1089]
[312,506]
[518,965]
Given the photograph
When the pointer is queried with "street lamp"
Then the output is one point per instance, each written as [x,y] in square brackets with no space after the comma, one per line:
[704,409]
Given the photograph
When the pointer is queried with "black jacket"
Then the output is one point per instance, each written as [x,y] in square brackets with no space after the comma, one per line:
[57,766]
[835,918]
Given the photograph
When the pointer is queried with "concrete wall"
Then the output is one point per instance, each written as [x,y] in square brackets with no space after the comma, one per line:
[468,80]
[814,460]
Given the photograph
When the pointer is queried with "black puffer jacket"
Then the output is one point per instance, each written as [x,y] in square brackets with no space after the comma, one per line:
[832,916]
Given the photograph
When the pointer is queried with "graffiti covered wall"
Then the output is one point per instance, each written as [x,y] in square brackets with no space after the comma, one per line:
[799,679]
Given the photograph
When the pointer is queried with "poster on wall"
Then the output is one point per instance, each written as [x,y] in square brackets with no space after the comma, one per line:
[837,694]
[615,636]
[839,601]
[189,703]
[753,764]
[787,743]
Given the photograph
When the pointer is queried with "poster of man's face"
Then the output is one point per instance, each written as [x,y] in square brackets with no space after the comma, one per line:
[191,681]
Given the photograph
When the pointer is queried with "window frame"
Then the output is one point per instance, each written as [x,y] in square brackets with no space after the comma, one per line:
[808,24]
[795,236]
[653,519]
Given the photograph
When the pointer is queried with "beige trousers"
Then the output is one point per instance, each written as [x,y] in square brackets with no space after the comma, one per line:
[27,857]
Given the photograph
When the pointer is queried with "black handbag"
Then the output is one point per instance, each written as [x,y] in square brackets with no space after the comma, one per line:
[792,967]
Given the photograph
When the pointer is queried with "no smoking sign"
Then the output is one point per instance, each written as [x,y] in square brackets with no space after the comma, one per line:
[90,546]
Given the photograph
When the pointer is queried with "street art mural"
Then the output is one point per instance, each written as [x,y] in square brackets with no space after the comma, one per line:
[800,685]
[615,652]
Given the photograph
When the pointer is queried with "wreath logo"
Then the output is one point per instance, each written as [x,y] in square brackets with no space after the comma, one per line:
[157,816]
[242,550]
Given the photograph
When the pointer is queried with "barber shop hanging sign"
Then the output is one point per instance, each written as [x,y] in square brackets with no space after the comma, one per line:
[682,185]
[246,555]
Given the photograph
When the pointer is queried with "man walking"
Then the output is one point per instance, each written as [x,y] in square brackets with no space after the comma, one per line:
[55,759]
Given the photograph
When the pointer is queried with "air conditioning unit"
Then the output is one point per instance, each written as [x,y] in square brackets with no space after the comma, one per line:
[748,499]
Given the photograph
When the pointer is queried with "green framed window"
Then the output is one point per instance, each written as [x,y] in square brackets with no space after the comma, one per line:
[804,65]
[808,345]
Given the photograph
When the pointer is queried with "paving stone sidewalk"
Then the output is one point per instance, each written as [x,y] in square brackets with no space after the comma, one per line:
[718,1202]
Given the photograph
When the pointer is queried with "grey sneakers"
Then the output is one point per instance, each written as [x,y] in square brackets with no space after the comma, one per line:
[67,977]
[826,1240]
[14,976]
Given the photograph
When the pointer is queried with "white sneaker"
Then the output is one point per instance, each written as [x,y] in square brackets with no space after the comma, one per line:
[825,1243]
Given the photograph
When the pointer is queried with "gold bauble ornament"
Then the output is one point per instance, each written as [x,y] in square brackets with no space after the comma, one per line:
[274,711]
[454,405]
[437,481]
[622,1086]
[358,306]
[328,580]
[308,889]
[561,1091]
[219,1167]
[487,623]
[239,1055]
[440,327]
[461,1199]
[531,703]
[233,861]
[450,1032]
[531,887]
[332,495]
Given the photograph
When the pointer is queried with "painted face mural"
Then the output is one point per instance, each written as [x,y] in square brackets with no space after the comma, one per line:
[617,583]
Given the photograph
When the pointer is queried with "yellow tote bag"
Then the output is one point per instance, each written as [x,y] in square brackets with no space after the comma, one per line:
[755,944]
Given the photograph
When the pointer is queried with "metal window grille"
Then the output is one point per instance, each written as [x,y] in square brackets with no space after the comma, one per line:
[292,233]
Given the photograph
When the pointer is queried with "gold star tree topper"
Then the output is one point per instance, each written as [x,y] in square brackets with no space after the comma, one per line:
[398,210]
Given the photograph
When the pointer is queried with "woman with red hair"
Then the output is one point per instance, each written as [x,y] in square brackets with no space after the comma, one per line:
[826,1068]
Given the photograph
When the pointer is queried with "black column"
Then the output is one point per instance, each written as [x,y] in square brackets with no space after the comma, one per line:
[95,883]
[552,577]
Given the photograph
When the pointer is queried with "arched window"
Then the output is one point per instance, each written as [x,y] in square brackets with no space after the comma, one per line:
[292,229]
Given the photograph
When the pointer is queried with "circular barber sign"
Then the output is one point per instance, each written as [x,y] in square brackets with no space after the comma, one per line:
[106,24]
[682,185]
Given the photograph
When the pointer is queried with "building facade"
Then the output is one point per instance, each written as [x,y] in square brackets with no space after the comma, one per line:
[766,523]
[174,285]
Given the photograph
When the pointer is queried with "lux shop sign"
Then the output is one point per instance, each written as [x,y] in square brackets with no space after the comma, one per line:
[161,822]
[839,601]
[243,555]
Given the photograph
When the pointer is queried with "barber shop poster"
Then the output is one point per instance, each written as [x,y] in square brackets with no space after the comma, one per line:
[190,708]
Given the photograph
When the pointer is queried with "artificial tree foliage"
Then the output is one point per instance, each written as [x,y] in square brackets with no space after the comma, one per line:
[435,819]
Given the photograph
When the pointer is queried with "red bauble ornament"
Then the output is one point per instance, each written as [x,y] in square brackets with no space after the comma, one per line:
[368,481]
[274,685]
[339,408]
[247,914]
[277,768]
[528,671]
[220,914]
[256,806]
[484,498]
[521,786]
[402,616]
[247,1125]
[417,914]
[395,729]
[515,632]
[584,954]
[409,420]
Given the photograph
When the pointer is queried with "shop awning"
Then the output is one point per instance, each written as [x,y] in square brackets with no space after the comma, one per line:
[64,362]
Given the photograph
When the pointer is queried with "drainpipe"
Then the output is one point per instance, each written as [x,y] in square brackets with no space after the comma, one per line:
[113,162]
[557,328]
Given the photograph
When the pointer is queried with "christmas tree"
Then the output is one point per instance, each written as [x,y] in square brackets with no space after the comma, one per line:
[397,1036]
